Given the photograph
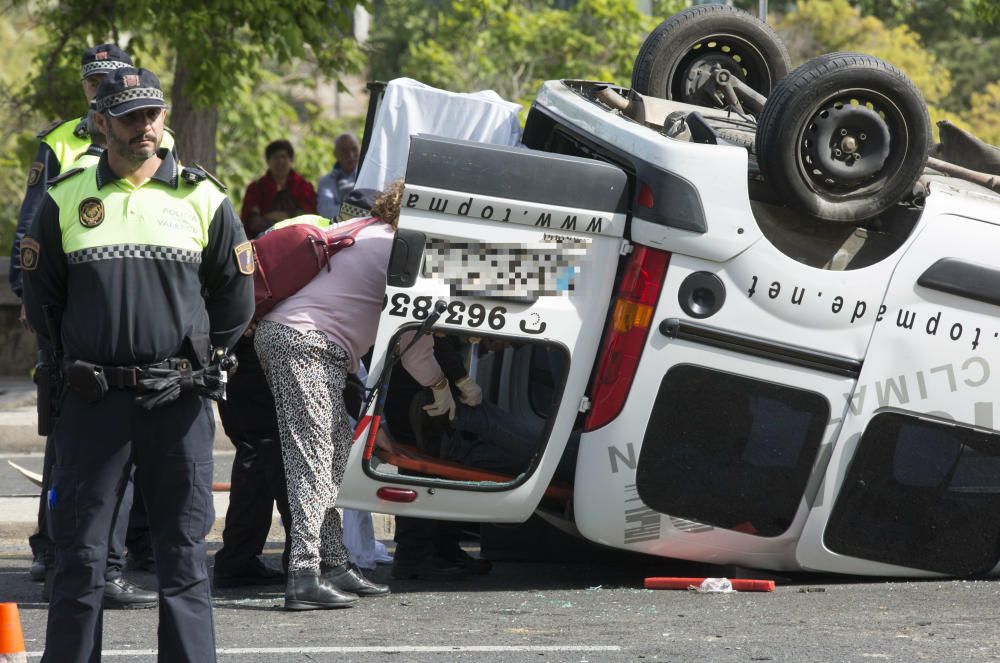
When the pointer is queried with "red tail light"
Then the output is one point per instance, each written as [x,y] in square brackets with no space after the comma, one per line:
[646,196]
[396,494]
[626,334]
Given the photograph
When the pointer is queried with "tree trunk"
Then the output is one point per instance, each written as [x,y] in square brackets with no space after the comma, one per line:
[194,128]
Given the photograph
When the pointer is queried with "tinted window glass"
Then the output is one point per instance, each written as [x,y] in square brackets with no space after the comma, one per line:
[730,451]
[921,494]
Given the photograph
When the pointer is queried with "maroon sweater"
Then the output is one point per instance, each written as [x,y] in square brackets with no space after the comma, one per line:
[262,196]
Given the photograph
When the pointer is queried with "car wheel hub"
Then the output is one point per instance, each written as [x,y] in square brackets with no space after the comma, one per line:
[844,145]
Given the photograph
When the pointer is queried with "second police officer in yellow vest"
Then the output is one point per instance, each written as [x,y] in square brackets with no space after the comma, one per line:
[145,267]
[66,145]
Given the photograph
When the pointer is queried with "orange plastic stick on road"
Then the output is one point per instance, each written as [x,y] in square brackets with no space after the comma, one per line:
[739,584]
[11,638]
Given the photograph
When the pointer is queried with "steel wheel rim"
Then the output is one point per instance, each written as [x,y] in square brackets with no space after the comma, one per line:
[829,183]
[737,54]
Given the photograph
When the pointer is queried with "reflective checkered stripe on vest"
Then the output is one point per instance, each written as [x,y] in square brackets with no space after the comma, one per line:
[121,220]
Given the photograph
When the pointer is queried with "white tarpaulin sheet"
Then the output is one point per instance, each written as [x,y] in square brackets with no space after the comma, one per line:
[410,107]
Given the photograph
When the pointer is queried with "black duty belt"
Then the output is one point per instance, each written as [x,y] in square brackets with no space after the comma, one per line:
[92,381]
[156,384]
[129,377]
[124,377]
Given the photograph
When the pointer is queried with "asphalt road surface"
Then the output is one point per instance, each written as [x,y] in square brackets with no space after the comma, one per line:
[593,609]
[572,612]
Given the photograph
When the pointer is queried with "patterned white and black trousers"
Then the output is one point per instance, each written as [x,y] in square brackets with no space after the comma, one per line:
[307,373]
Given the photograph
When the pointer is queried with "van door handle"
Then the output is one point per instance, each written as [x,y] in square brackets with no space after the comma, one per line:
[963,279]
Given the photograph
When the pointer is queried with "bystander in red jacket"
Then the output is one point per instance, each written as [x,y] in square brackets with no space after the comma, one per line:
[280,194]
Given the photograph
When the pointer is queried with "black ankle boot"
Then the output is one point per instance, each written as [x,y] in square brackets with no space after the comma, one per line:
[348,578]
[305,590]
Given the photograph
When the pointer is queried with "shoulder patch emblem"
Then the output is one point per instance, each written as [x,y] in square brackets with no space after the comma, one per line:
[29,254]
[35,173]
[244,257]
[91,212]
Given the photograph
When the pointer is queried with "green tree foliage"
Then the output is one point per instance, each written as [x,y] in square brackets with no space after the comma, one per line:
[18,122]
[973,63]
[268,111]
[960,33]
[664,8]
[207,45]
[824,26]
[988,11]
[933,20]
[506,46]
[985,113]
[939,20]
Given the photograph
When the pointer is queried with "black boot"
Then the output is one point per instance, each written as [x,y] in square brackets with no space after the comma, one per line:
[475,566]
[305,590]
[38,566]
[429,567]
[348,578]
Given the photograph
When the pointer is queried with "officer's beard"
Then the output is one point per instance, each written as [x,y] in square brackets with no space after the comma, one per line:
[128,148]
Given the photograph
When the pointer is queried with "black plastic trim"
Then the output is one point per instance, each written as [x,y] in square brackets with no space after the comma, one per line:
[516,173]
[758,347]
[405,258]
[677,203]
[964,279]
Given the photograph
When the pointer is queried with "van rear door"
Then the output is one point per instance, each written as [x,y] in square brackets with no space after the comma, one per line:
[523,247]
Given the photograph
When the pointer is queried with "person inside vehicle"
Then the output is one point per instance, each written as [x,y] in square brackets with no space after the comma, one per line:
[429,549]
[475,433]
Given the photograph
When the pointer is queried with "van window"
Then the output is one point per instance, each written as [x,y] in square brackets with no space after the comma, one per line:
[730,451]
[922,494]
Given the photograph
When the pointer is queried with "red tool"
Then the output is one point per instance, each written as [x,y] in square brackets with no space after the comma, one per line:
[739,584]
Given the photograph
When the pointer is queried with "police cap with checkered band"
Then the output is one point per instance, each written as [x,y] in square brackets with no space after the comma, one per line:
[127,90]
[103,59]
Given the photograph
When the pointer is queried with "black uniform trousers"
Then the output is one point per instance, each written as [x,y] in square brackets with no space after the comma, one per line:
[96,447]
[130,530]
[257,482]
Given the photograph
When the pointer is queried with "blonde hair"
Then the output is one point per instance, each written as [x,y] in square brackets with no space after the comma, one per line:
[388,202]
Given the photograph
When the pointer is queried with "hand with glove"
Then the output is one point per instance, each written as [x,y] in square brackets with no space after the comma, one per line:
[443,400]
[472,393]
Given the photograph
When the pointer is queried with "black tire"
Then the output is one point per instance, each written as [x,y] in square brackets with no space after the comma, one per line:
[844,137]
[701,36]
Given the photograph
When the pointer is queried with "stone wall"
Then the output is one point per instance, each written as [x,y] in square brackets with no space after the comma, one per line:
[17,347]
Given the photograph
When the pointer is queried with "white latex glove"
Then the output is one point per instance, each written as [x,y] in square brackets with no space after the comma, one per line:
[472,393]
[443,402]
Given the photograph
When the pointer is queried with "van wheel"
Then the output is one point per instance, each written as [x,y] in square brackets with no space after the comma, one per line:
[677,56]
[844,137]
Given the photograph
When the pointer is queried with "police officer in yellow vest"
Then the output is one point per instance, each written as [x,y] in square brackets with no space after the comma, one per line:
[141,269]
[66,145]
[63,143]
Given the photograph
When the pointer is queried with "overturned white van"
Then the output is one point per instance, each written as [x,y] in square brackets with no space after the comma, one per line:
[713,374]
